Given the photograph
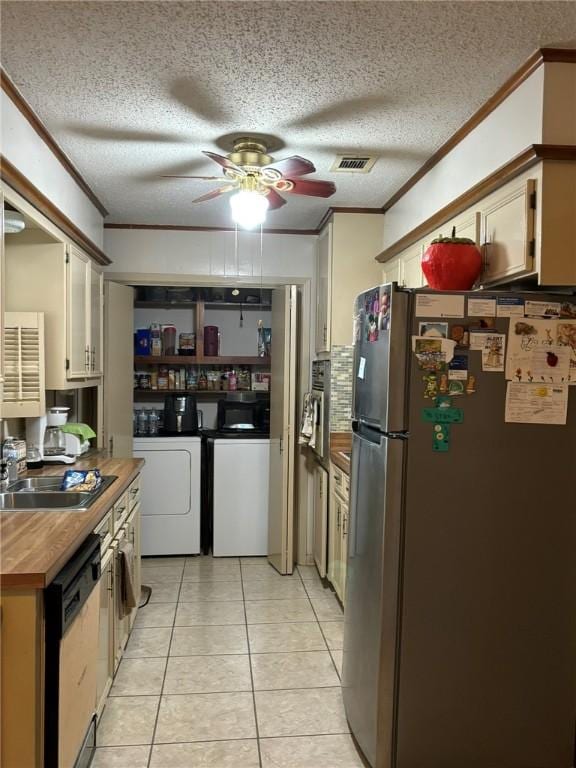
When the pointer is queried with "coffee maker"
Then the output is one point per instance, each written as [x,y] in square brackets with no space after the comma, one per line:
[180,415]
[44,433]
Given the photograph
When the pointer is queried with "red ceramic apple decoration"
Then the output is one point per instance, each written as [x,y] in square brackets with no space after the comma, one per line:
[452,263]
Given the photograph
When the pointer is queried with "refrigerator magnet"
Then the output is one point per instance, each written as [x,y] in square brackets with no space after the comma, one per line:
[431,386]
[433,329]
[441,442]
[471,385]
[458,368]
[362,368]
[443,415]
[456,388]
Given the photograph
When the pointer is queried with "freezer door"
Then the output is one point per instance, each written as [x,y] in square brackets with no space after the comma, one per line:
[370,616]
[380,354]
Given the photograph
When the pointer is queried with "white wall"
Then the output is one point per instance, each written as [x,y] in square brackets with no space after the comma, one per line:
[24,148]
[507,131]
[187,254]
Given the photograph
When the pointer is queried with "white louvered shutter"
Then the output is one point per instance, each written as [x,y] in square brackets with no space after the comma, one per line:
[24,393]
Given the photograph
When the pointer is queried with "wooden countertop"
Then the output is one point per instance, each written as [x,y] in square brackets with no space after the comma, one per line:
[34,546]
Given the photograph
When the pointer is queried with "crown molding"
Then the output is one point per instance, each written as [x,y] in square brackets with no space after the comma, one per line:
[19,183]
[526,159]
[343,209]
[22,105]
[539,57]
[185,228]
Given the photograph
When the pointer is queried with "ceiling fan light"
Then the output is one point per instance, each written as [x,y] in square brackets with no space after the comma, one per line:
[248,209]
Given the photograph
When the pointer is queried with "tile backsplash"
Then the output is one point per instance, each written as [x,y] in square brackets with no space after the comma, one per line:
[341,364]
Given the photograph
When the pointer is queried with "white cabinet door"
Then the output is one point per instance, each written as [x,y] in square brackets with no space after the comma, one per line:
[392,272]
[344,522]
[320,542]
[105,632]
[335,543]
[78,316]
[95,312]
[323,290]
[508,230]
[412,266]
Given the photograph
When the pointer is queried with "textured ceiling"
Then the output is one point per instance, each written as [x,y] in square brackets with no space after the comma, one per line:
[133,90]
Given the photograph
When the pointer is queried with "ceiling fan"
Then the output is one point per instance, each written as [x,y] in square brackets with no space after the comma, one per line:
[258,180]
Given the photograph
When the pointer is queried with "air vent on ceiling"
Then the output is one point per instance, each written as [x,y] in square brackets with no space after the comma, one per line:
[353,163]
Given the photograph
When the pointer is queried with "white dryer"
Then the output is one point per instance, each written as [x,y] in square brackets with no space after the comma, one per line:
[170,494]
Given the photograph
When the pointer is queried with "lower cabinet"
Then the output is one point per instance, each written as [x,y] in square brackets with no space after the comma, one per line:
[106,631]
[121,525]
[338,531]
[320,542]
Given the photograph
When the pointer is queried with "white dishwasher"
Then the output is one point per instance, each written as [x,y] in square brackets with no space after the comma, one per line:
[240,496]
[170,494]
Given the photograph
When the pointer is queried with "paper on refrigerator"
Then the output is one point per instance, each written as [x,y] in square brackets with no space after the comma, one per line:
[534,352]
[536,403]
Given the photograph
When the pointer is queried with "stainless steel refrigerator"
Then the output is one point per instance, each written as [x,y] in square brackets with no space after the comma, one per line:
[460,619]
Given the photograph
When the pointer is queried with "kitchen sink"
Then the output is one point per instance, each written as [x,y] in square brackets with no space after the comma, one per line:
[36,484]
[43,494]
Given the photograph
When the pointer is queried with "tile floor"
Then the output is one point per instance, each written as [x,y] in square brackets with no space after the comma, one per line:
[230,664]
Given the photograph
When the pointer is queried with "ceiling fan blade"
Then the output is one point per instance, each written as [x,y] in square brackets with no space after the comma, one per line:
[292,166]
[312,188]
[106,133]
[223,161]
[274,199]
[203,178]
[214,193]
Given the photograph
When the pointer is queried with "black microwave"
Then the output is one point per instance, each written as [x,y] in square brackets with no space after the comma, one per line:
[239,416]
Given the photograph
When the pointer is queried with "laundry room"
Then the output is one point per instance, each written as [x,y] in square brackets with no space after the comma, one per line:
[201,417]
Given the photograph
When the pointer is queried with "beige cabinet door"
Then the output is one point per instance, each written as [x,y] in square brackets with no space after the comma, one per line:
[78,314]
[335,542]
[344,522]
[508,231]
[282,429]
[323,290]
[118,368]
[105,633]
[392,272]
[320,541]
[96,304]
[412,266]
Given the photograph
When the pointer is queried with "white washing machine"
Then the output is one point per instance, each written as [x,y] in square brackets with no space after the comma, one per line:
[170,494]
[240,496]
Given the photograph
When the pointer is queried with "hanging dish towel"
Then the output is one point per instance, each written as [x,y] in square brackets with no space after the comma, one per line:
[128,597]
[306,424]
[315,420]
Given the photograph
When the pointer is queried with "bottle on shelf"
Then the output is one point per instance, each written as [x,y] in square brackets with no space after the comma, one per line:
[232,380]
[202,381]
[142,421]
[153,422]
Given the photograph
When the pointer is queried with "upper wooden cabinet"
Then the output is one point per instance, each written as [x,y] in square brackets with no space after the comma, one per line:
[525,227]
[346,266]
[62,282]
[84,299]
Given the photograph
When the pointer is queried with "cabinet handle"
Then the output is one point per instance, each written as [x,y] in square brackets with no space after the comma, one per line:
[338,517]
[93,358]
[87,358]
[345,525]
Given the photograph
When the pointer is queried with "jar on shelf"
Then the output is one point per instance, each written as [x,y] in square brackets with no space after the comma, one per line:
[191,379]
[163,377]
[169,339]
[202,381]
